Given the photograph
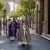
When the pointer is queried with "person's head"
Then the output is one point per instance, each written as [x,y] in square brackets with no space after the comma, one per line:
[14,19]
[9,19]
[23,21]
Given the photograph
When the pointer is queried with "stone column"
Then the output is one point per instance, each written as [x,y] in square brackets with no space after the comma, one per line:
[41,17]
[46,16]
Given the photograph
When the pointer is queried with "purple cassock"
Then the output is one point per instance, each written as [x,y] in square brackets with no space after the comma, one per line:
[13,28]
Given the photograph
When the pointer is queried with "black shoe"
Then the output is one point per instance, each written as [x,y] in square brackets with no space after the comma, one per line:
[23,45]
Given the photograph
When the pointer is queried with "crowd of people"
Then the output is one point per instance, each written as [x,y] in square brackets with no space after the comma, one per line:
[17,28]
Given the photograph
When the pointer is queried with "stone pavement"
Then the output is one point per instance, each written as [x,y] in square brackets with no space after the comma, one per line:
[37,43]
[46,36]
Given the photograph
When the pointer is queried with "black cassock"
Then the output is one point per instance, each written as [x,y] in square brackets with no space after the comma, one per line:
[13,29]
